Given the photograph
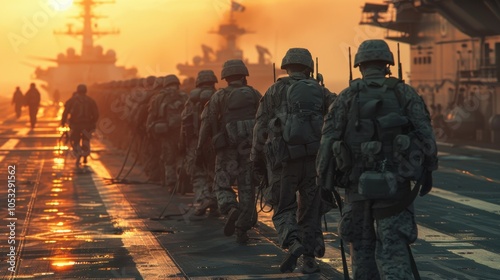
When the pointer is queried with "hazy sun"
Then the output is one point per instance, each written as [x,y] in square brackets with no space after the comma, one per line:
[61,5]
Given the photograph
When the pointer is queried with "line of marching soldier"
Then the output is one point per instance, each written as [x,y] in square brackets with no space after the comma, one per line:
[300,142]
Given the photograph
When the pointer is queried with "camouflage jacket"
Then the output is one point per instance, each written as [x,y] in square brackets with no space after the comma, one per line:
[174,98]
[88,106]
[338,114]
[191,114]
[272,105]
[211,118]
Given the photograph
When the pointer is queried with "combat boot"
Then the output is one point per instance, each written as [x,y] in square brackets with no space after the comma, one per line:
[213,212]
[290,261]
[203,207]
[232,216]
[241,237]
[309,265]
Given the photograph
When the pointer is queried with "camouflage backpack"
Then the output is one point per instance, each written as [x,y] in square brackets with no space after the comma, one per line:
[304,120]
[380,146]
[191,114]
[169,111]
[238,118]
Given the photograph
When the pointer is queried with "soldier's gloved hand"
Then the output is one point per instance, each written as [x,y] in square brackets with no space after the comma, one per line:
[426,183]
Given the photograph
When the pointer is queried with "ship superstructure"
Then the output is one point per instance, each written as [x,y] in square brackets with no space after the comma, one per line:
[91,65]
[454,57]
[261,72]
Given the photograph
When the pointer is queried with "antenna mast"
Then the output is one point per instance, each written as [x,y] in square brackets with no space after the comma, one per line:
[87,32]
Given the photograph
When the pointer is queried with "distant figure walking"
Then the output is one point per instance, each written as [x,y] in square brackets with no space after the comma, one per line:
[56,97]
[32,100]
[18,101]
[83,116]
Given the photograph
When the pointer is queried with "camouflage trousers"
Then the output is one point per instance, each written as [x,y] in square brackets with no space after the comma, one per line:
[201,179]
[151,159]
[79,137]
[33,110]
[298,220]
[168,157]
[233,166]
[379,248]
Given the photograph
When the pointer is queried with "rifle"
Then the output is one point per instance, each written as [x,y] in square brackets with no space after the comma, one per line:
[274,72]
[350,66]
[400,67]
[330,186]
[319,77]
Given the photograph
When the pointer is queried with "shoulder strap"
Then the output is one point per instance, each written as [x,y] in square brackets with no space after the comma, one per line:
[161,108]
[392,83]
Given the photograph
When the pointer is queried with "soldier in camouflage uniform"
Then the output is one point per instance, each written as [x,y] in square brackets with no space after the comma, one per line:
[230,119]
[163,124]
[299,228]
[379,228]
[201,176]
[149,150]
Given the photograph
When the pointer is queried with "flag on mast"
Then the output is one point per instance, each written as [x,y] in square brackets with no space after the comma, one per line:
[237,7]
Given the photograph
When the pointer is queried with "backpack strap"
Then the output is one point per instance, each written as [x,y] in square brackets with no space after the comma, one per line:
[223,104]
[161,107]
[356,86]
[392,83]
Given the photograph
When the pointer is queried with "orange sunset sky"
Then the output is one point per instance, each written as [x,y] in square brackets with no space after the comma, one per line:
[155,35]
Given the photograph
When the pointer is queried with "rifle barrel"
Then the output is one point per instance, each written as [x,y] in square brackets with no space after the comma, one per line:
[350,65]
[274,72]
[400,68]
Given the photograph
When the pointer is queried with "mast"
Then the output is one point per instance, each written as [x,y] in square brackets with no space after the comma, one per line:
[87,32]
[231,32]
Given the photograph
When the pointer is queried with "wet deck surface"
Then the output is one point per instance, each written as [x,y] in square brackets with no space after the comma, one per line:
[82,224]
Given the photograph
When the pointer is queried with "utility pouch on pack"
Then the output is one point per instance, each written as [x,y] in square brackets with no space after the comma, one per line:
[343,156]
[239,131]
[370,151]
[401,144]
[408,157]
[160,128]
[377,185]
[297,151]
[276,152]
[219,140]
[312,148]
[392,120]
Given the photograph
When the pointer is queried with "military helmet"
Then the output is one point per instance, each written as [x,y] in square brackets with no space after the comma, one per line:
[371,50]
[150,80]
[206,76]
[81,88]
[297,56]
[234,67]
[205,95]
[170,80]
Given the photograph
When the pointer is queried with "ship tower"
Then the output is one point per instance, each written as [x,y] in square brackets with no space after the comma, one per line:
[91,66]
[261,72]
